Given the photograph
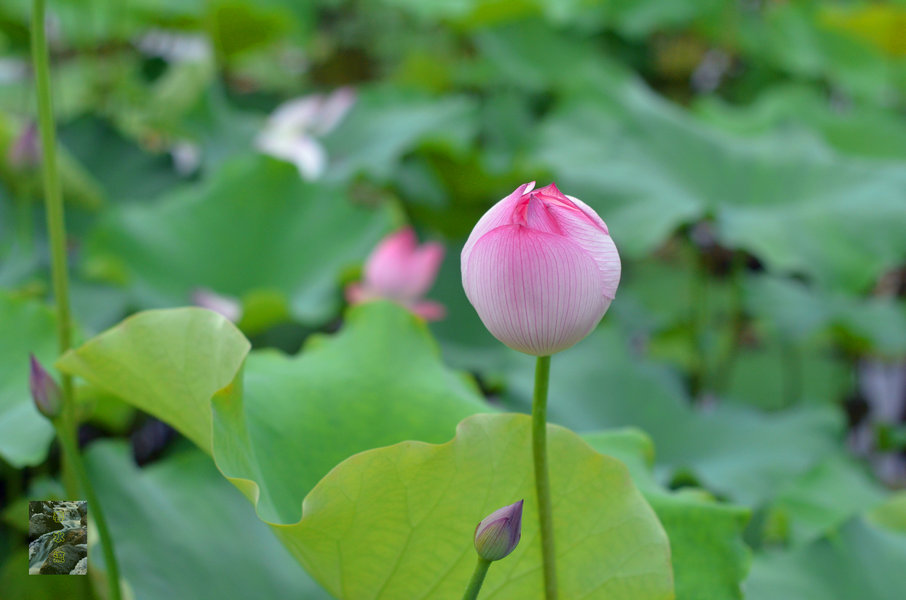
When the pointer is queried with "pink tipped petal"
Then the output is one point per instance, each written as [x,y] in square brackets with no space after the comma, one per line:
[429,311]
[536,292]
[590,213]
[585,231]
[422,269]
[497,215]
[538,216]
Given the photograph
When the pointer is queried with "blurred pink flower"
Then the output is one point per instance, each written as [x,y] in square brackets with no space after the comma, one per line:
[226,306]
[540,269]
[399,269]
[293,128]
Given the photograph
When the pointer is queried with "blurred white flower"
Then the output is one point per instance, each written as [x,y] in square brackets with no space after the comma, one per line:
[292,129]
[186,157]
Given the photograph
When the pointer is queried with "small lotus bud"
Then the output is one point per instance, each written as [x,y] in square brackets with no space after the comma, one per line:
[498,533]
[44,390]
[25,151]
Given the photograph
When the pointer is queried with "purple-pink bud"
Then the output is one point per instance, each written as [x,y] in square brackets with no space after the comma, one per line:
[402,271]
[44,390]
[540,269]
[499,533]
[25,151]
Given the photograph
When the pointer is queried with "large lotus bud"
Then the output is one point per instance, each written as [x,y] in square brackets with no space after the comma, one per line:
[540,270]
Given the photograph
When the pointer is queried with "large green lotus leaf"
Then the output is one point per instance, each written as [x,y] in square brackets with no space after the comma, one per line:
[96,144]
[709,557]
[397,522]
[224,550]
[861,130]
[891,514]
[858,561]
[27,326]
[799,38]
[745,454]
[825,497]
[386,123]
[379,381]
[647,167]
[168,363]
[795,311]
[775,374]
[254,226]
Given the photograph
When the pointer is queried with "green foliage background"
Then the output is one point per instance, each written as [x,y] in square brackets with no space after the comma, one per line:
[749,158]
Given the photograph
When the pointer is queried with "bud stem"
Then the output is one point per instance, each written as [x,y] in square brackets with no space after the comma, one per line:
[481,569]
[71,451]
[542,477]
[56,224]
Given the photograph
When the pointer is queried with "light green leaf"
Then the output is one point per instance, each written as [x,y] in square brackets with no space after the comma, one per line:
[891,514]
[708,554]
[827,496]
[398,522]
[255,226]
[378,382]
[168,363]
[28,326]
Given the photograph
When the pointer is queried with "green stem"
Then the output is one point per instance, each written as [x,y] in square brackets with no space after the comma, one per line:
[71,450]
[481,569]
[56,224]
[542,476]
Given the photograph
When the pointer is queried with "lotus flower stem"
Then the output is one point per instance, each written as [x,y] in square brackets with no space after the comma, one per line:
[71,450]
[56,224]
[481,569]
[542,476]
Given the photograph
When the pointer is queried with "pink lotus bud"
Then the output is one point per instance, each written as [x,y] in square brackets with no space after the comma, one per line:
[540,270]
[498,533]
[44,390]
[401,270]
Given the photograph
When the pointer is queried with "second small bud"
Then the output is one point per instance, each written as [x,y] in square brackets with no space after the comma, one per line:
[499,533]
[44,390]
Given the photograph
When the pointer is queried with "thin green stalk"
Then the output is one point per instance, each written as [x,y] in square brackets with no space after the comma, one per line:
[481,569]
[542,476]
[56,224]
[71,449]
